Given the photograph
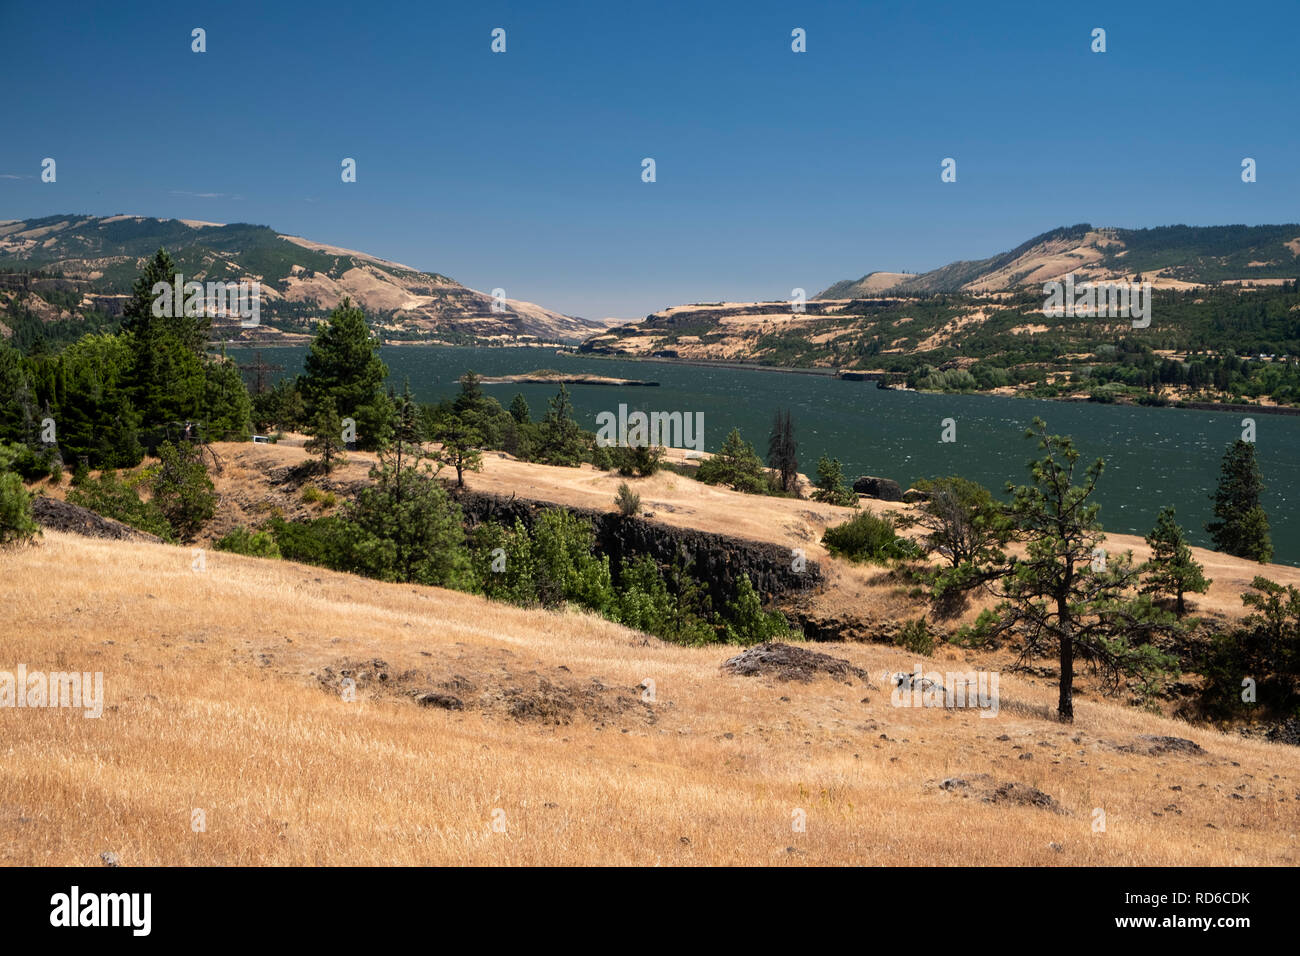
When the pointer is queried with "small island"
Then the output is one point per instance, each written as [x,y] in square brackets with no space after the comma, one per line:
[549,376]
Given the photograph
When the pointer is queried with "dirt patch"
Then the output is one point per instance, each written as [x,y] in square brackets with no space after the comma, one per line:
[984,788]
[787,662]
[63,516]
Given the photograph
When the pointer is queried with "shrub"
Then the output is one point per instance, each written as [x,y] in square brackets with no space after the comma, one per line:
[642,460]
[257,544]
[915,636]
[16,522]
[869,537]
[313,495]
[646,603]
[747,622]
[182,489]
[110,496]
[328,542]
[628,501]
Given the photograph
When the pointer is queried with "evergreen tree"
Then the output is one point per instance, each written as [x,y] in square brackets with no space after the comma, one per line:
[1056,596]
[326,436]
[343,364]
[831,487]
[559,438]
[405,528]
[1241,525]
[519,410]
[16,522]
[1171,569]
[782,450]
[167,375]
[182,488]
[736,465]
[461,447]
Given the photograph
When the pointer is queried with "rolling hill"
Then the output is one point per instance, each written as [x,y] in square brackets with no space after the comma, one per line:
[1220,294]
[70,267]
[1168,256]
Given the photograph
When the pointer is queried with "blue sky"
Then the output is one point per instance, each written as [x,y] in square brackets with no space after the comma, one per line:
[775,169]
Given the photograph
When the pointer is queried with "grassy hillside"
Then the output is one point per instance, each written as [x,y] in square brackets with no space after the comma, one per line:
[223,694]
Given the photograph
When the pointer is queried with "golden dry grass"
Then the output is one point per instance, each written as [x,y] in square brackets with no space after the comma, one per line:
[212,703]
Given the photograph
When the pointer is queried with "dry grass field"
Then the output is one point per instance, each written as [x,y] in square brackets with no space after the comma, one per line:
[223,694]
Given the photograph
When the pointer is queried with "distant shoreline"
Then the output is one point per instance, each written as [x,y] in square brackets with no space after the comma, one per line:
[1233,407]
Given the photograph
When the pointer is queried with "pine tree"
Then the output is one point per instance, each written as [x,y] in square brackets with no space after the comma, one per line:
[1171,569]
[736,465]
[343,364]
[1056,597]
[831,488]
[519,410]
[166,380]
[559,439]
[182,488]
[326,436]
[461,447]
[1241,525]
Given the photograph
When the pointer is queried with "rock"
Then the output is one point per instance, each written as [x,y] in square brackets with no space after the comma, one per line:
[1153,746]
[445,701]
[110,858]
[884,489]
[981,785]
[911,496]
[1287,732]
[788,662]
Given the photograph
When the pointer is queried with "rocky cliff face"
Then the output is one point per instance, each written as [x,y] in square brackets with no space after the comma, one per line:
[717,560]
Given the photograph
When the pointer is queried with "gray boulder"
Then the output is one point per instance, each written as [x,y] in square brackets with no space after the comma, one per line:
[884,489]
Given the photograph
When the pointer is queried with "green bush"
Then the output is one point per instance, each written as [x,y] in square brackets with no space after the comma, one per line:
[869,537]
[313,495]
[257,544]
[627,500]
[110,496]
[329,542]
[641,460]
[915,636]
[182,489]
[647,603]
[16,522]
[748,623]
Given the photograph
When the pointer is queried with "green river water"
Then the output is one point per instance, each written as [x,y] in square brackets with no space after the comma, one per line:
[1154,456]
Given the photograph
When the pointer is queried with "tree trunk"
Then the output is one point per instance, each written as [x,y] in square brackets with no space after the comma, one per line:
[1065,704]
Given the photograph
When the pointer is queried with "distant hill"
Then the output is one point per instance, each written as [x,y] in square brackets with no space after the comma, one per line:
[86,265]
[1220,295]
[1168,256]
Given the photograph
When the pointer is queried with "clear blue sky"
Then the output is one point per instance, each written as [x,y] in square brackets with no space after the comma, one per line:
[775,169]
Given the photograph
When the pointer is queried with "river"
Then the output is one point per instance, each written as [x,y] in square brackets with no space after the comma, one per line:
[1154,456]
